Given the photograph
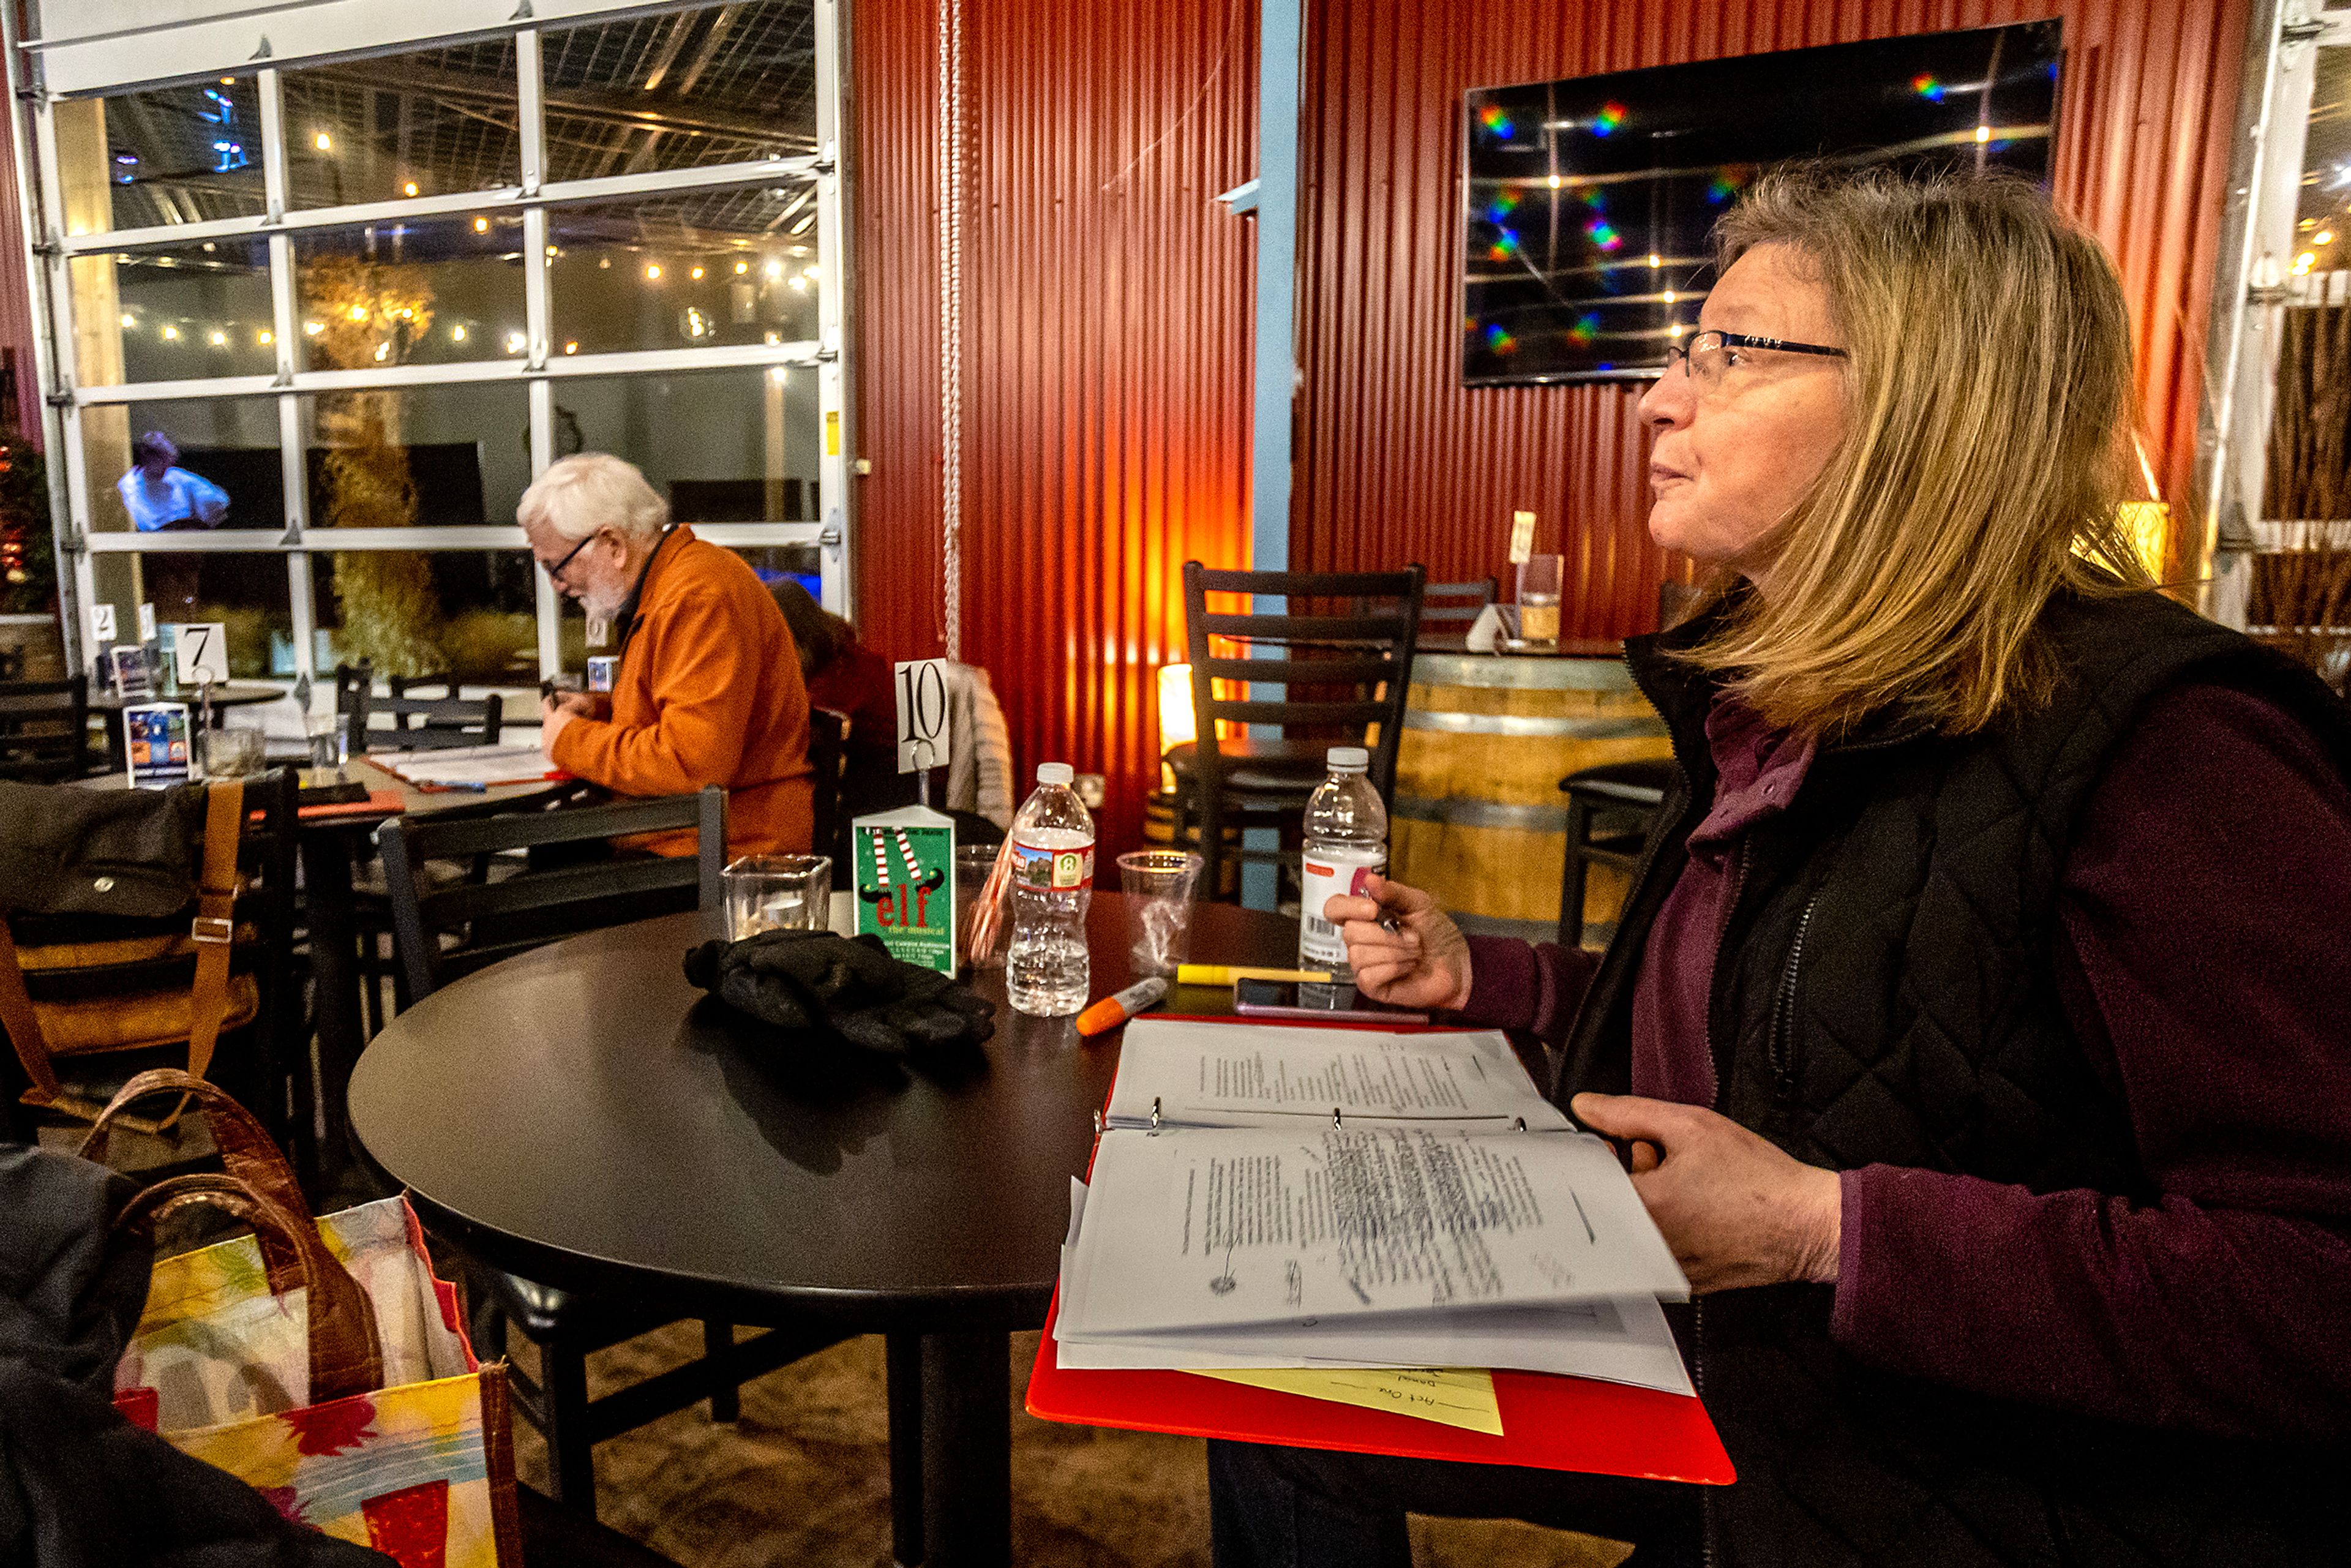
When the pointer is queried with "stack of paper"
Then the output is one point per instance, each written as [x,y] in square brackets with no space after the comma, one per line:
[1315,1197]
[466,767]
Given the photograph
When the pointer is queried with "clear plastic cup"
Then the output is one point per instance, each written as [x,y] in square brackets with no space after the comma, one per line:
[1164,879]
[778,892]
[232,753]
[973,864]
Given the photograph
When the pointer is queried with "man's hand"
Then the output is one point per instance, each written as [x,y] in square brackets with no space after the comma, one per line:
[1422,962]
[555,712]
[1736,1209]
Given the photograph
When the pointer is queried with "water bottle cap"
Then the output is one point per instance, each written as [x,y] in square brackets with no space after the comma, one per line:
[1349,759]
[1055,773]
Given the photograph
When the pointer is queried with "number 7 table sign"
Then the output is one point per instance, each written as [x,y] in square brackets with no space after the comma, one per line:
[200,651]
[923,729]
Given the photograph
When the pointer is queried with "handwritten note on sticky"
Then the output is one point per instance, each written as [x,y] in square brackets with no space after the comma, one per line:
[1455,1396]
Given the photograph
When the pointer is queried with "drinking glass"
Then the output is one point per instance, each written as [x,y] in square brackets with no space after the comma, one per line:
[1164,879]
[232,753]
[327,743]
[778,892]
[973,864]
[1538,584]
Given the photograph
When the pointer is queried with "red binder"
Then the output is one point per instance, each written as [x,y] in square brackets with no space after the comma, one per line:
[1549,1422]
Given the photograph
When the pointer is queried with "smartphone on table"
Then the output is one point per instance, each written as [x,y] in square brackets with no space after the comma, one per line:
[1323,1003]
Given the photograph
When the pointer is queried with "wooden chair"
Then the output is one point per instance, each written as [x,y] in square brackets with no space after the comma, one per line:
[446,932]
[1610,812]
[1352,666]
[44,731]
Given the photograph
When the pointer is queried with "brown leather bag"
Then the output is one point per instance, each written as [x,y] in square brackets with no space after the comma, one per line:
[43,1030]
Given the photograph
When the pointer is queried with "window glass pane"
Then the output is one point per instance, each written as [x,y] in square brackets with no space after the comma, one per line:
[417,124]
[687,271]
[166,156]
[229,445]
[408,292]
[417,458]
[729,84]
[174,314]
[723,446]
[244,591]
[427,613]
[773,563]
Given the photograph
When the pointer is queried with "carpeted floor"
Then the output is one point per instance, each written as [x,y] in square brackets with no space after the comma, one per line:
[803,1478]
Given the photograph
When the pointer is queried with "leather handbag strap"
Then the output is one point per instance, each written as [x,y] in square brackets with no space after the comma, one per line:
[244,1146]
[22,1022]
[214,930]
[345,1358]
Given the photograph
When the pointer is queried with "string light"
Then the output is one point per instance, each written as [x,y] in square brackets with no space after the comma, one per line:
[359,313]
[312,329]
[777,375]
[1555,182]
[775,271]
[741,268]
[265,337]
[800,283]
[382,352]
[514,342]
[323,142]
[1657,261]
[652,272]
[571,348]
[219,339]
[814,272]
[2323,237]
[129,320]
[1983,134]
[457,333]
[604,263]
[171,334]
[409,189]
[481,225]
[1669,296]
[554,250]
[695,275]
[774,338]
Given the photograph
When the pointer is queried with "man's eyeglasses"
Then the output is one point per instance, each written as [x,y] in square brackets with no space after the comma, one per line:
[1708,355]
[555,572]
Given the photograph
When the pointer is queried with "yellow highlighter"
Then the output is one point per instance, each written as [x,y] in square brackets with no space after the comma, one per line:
[1226,974]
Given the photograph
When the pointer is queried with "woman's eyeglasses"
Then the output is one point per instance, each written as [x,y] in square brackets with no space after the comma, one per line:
[1708,355]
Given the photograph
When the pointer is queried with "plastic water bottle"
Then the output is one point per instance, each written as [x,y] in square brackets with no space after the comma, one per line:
[1346,842]
[1045,970]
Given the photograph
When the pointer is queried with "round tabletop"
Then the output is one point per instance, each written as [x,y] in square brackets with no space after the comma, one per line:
[583,1115]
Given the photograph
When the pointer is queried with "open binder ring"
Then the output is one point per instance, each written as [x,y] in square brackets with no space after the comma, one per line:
[1336,1120]
[1154,1113]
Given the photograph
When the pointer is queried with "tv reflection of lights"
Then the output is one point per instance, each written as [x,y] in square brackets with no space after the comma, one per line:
[1570,185]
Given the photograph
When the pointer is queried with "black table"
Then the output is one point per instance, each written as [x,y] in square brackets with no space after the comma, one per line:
[581,1115]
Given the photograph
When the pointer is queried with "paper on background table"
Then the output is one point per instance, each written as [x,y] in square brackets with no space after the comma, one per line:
[485,764]
[1216,1227]
[1453,1397]
[1238,1075]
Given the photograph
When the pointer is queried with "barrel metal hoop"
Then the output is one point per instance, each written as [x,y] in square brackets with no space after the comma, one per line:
[1511,724]
[1494,672]
[1463,813]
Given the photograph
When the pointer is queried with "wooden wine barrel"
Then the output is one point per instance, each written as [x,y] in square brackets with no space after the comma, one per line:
[1479,819]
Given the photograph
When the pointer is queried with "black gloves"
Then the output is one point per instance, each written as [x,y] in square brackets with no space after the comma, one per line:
[814,981]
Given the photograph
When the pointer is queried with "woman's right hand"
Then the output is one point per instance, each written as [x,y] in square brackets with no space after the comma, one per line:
[1402,948]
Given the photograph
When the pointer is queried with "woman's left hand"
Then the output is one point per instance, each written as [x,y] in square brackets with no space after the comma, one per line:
[1736,1209]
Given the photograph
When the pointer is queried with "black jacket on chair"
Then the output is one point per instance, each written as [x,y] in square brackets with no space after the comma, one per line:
[80,1486]
[1886,996]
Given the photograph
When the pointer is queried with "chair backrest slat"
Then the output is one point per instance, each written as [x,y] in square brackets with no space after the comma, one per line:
[418,918]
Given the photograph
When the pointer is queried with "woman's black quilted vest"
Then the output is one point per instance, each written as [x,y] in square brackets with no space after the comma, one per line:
[1885,996]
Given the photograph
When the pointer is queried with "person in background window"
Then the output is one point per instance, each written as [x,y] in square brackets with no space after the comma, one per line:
[708,689]
[164,498]
[851,679]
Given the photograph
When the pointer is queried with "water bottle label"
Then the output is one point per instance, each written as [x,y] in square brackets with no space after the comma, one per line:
[1326,876]
[1057,870]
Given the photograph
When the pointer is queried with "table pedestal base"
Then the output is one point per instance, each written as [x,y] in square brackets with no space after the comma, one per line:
[965,1498]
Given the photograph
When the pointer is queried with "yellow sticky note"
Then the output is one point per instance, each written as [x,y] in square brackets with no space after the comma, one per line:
[1453,1397]
[1523,537]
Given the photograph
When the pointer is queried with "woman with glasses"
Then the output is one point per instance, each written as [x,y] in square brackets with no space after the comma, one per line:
[1975,1028]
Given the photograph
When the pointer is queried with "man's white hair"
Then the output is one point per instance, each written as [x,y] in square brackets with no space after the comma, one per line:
[594,490]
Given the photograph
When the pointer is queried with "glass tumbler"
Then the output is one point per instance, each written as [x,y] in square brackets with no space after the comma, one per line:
[1539,586]
[778,892]
[232,753]
[1163,879]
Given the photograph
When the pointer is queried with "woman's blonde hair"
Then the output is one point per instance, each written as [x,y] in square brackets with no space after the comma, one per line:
[1988,399]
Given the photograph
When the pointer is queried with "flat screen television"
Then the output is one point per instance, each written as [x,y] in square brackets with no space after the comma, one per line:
[1588,202]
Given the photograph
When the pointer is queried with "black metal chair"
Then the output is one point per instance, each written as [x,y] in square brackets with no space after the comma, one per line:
[445,933]
[1448,605]
[419,724]
[1610,812]
[1353,668]
[827,755]
[44,731]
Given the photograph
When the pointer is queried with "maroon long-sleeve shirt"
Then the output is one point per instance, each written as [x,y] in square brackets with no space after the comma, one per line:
[2206,968]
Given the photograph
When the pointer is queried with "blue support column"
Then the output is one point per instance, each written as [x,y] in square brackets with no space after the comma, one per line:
[1281,30]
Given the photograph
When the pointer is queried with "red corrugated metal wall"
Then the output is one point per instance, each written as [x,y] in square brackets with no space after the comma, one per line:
[1107,308]
[1396,461]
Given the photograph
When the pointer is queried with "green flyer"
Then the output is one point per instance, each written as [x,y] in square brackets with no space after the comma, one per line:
[905,885]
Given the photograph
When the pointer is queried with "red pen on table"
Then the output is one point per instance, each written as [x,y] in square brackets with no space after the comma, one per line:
[1114,1010]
